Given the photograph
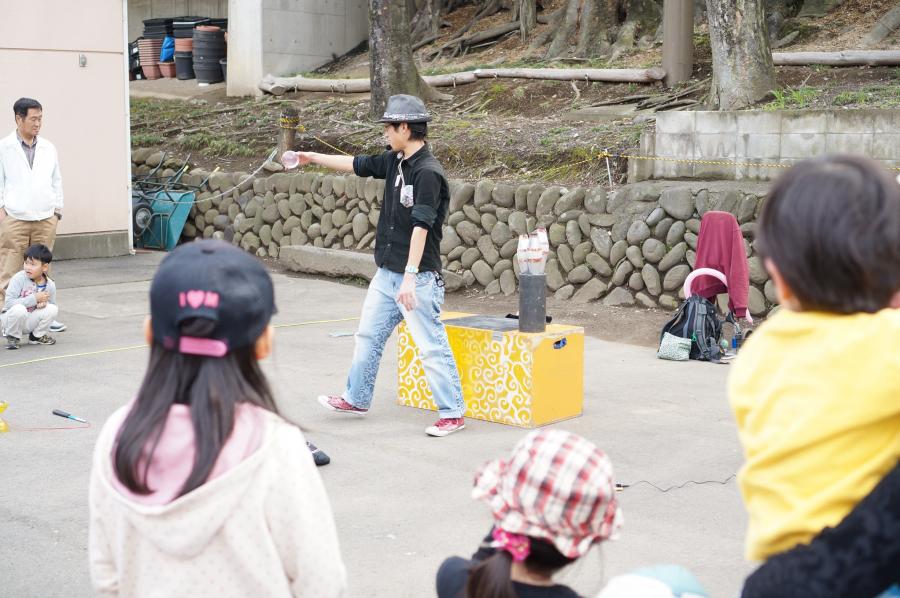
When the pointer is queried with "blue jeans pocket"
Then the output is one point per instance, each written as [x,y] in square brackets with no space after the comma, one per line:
[424,278]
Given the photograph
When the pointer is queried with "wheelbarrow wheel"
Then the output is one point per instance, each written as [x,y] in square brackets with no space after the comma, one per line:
[141,215]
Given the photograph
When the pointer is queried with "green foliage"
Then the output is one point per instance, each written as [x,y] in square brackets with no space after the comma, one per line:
[789,98]
[148,109]
[874,95]
[496,90]
[146,139]
[850,97]
[216,145]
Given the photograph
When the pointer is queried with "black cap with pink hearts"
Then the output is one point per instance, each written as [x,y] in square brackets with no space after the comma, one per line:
[214,281]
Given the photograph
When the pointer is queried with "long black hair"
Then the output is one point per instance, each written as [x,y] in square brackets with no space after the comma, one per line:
[491,577]
[211,386]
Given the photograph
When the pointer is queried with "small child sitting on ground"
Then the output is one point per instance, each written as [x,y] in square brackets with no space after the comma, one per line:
[30,305]
[815,390]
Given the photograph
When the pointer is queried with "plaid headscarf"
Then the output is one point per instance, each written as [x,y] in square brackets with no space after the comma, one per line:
[556,486]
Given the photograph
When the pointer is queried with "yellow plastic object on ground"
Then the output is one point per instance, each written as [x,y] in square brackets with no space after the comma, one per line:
[508,377]
[4,427]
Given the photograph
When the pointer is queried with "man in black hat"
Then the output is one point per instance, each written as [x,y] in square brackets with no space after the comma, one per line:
[408,283]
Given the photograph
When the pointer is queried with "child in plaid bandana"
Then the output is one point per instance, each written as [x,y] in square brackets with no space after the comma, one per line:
[552,500]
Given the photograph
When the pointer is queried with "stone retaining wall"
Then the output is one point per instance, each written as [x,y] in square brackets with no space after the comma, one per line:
[631,246]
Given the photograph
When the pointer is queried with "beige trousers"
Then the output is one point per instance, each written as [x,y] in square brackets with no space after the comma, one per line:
[18,235]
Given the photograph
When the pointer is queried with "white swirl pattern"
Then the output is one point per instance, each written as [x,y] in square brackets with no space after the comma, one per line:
[496,375]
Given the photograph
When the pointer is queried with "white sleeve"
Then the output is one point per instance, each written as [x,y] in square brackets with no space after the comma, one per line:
[302,524]
[57,183]
[104,574]
[2,180]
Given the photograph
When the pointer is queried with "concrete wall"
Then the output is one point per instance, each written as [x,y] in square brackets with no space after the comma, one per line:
[695,141]
[85,108]
[138,10]
[284,37]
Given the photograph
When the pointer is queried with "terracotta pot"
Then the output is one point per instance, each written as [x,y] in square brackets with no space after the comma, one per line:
[184,44]
[167,69]
[151,71]
[208,28]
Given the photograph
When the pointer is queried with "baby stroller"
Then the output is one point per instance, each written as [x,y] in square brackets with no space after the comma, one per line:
[720,247]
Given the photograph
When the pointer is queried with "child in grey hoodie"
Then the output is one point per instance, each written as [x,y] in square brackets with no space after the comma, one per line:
[30,304]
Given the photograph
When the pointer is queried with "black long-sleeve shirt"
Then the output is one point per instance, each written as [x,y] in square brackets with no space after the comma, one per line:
[857,559]
[431,200]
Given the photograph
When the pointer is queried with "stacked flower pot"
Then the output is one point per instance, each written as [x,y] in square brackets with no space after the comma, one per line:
[209,52]
[150,45]
[149,50]
[183,28]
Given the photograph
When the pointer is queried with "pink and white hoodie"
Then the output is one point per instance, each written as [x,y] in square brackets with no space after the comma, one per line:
[260,526]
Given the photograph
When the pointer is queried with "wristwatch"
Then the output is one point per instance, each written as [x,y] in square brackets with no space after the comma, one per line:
[411,269]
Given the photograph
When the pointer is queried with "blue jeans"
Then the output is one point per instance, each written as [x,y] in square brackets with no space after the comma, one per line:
[382,313]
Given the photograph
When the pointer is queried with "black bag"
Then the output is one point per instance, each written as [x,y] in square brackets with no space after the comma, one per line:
[698,320]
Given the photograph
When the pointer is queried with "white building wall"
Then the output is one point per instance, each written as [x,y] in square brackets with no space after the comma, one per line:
[85,107]
[285,37]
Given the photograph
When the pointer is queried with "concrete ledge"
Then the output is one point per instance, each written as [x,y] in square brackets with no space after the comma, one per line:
[330,262]
[772,138]
[90,245]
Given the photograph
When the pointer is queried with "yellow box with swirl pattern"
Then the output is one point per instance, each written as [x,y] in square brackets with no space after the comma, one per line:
[508,377]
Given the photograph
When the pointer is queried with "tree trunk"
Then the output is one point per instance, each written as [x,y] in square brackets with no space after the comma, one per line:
[391,66]
[427,22]
[742,62]
[526,13]
[599,23]
[566,28]
[599,20]
[641,24]
[886,26]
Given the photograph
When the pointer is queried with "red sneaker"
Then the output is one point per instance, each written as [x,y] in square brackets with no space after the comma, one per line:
[446,426]
[338,404]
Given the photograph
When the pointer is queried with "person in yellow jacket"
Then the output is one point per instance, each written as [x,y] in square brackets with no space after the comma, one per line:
[816,390]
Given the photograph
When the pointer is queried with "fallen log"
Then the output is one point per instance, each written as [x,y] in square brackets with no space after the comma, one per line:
[845,58]
[613,75]
[450,80]
[281,85]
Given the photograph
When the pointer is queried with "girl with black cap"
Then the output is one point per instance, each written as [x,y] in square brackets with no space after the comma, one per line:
[197,488]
